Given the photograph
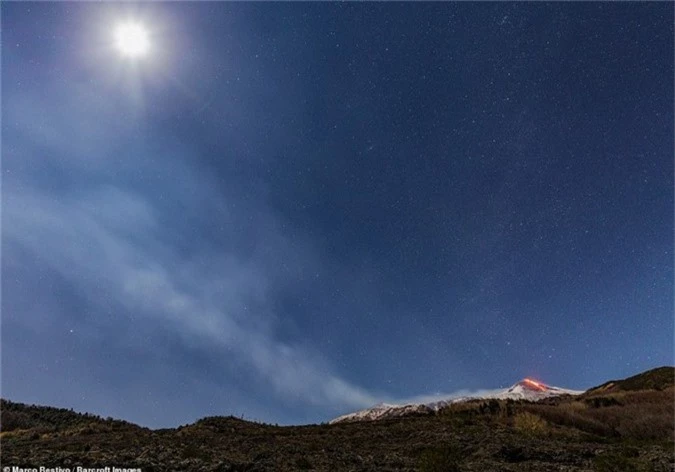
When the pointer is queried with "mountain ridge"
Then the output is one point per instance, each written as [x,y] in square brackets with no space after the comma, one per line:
[658,378]
[618,431]
[526,389]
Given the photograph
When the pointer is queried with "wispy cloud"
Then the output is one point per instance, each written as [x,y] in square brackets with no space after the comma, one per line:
[111,238]
[97,231]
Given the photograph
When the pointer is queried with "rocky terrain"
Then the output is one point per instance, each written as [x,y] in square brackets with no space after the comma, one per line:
[622,425]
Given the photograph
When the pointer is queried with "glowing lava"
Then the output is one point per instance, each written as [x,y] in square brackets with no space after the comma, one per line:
[535,384]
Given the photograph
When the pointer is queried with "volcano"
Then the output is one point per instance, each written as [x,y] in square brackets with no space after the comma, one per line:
[526,389]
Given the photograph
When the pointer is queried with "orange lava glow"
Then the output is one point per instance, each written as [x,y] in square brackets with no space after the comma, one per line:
[535,384]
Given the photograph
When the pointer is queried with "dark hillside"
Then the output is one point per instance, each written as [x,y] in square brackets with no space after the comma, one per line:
[18,416]
[660,378]
[617,431]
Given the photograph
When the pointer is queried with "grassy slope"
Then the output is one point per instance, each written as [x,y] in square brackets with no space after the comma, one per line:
[619,430]
[654,379]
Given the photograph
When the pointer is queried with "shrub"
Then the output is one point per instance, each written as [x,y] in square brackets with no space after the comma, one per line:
[626,460]
[441,459]
[512,453]
[193,451]
[13,420]
[564,416]
[600,402]
[303,463]
[529,423]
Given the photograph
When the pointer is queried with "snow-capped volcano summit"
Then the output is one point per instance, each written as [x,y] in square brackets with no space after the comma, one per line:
[526,389]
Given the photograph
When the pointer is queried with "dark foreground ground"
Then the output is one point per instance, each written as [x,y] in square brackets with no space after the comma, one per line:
[616,427]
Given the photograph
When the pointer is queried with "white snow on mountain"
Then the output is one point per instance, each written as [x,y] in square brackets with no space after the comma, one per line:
[526,389]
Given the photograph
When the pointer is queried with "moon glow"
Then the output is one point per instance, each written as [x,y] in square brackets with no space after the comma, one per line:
[131,40]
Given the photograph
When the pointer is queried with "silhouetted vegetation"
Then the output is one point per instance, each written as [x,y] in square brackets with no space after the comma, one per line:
[17,416]
[440,459]
[617,430]
[655,379]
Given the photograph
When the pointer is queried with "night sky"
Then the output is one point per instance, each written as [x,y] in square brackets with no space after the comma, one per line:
[290,211]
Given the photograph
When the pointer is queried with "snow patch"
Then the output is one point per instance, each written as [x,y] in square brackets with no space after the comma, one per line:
[526,389]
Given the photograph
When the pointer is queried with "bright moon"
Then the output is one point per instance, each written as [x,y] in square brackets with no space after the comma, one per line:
[131,39]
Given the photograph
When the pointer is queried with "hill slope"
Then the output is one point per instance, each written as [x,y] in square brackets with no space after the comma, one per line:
[660,378]
[18,416]
[629,431]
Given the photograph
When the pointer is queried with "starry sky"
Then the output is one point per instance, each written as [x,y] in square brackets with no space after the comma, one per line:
[290,211]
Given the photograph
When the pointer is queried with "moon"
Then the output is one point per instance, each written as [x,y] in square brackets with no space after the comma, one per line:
[132,40]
